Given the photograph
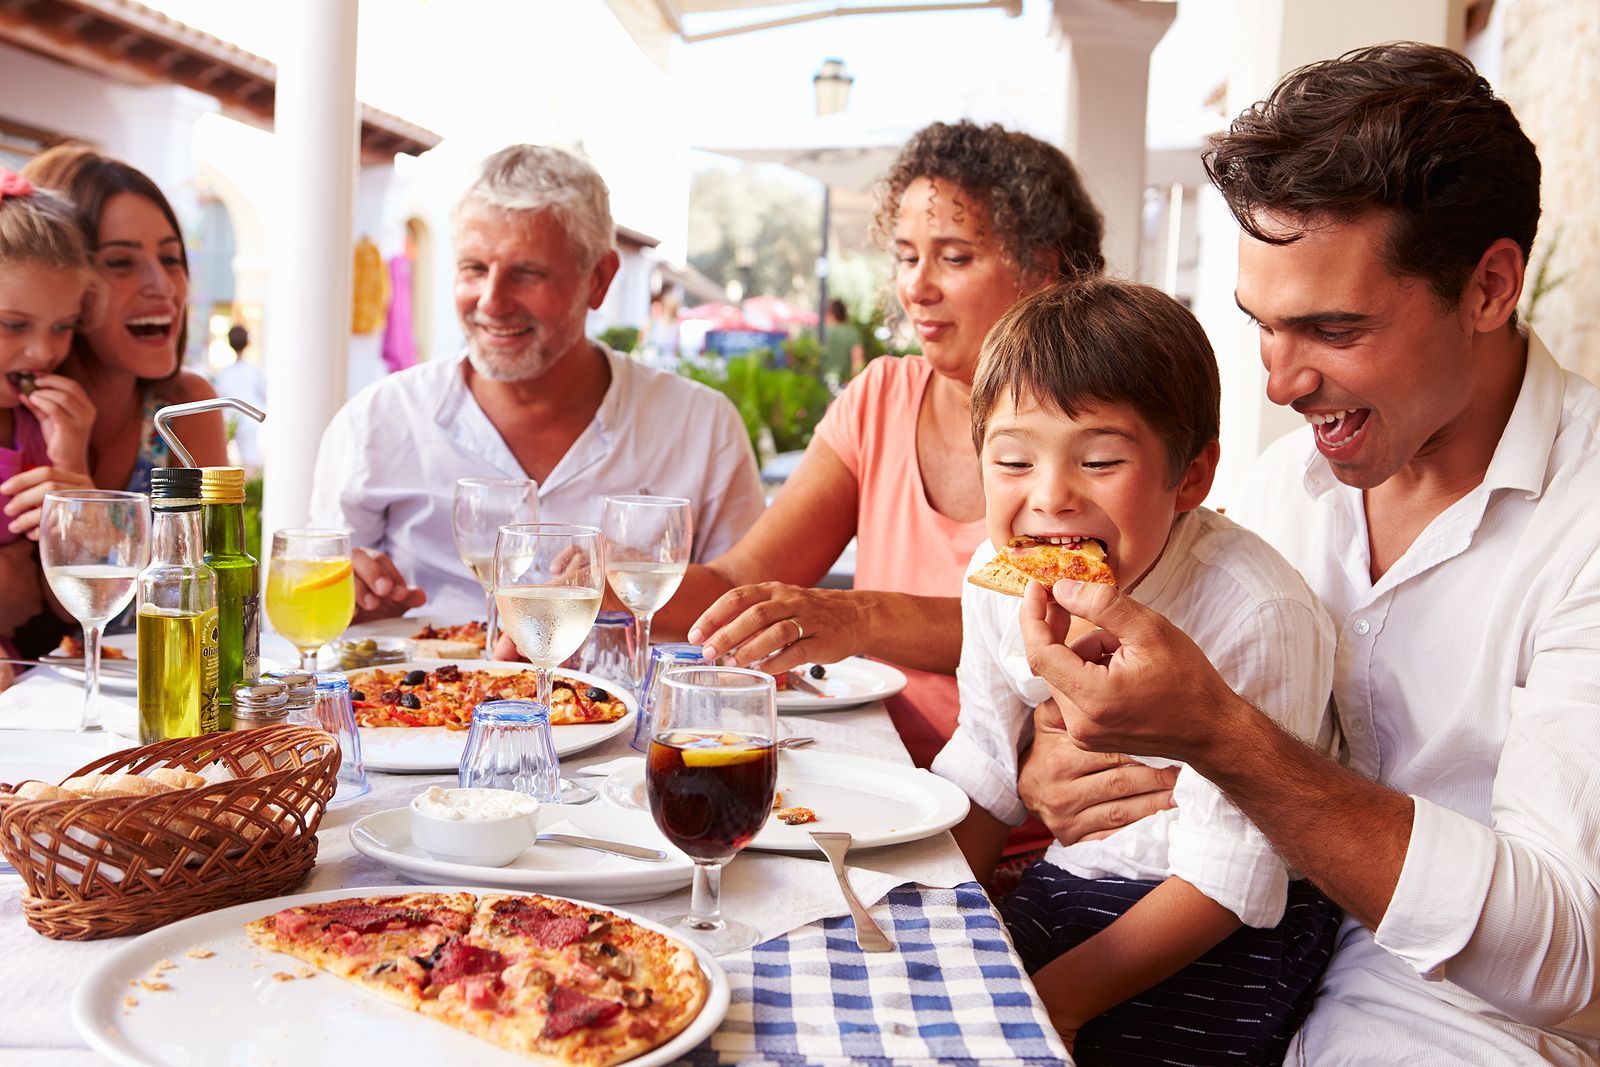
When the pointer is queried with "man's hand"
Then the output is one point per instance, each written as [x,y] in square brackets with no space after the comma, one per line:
[1138,684]
[1084,796]
[381,592]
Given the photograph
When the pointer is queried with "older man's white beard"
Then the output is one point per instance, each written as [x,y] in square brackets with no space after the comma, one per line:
[537,354]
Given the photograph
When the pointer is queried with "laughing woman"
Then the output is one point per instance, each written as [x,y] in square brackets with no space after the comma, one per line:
[130,358]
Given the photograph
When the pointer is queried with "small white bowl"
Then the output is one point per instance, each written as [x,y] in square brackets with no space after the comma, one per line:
[473,840]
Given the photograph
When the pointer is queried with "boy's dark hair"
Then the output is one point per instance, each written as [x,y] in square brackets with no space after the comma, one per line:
[1093,341]
[1041,213]
[1406,128]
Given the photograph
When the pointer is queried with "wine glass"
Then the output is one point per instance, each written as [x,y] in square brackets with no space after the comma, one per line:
[311,592]
[481,507]
[648,539]
[709,776]
[93,543]
[547,582]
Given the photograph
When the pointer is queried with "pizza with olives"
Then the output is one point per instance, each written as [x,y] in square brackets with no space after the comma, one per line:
[446,695]
[556,981]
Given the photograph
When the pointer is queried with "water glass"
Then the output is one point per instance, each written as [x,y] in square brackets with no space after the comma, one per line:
[608,652]
[334,713]
[662,659]
[311,592]
[509,747]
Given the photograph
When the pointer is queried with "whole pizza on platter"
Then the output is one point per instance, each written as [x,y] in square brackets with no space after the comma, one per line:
[554,980]
[445,696]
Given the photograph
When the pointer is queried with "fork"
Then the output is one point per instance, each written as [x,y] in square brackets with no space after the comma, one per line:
[834,844]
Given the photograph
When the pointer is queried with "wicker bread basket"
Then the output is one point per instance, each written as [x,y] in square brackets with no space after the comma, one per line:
[117,865]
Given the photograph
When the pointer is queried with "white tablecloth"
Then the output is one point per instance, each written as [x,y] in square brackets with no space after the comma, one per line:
[777,893]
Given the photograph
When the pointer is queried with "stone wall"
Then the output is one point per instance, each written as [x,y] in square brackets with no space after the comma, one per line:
[1551,77]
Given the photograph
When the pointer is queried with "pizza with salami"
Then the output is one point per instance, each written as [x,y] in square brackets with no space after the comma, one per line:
[1044,560]
[446,695]
[558,982]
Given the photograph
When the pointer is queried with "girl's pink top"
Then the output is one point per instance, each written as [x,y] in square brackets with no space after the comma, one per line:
[26,452]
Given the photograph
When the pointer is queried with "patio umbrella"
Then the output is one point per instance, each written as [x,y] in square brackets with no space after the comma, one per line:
[773,313]
[720,316]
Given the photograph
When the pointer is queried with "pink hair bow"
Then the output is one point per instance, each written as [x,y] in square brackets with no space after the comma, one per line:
[13,184]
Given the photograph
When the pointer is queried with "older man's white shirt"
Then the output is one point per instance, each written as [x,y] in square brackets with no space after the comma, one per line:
[390,458]
[1468,677]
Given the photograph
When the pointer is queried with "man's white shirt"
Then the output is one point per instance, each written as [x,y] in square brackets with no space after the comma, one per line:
[1468,676]
[389,461]
[1258,623]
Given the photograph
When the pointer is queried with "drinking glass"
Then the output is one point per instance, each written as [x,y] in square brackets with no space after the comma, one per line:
[710,774]
[311,592]
[481,507]
[648,539]
[93,543]
[547,579]
[509,747]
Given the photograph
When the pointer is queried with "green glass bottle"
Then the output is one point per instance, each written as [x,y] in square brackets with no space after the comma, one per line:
[238,584]
[177,617]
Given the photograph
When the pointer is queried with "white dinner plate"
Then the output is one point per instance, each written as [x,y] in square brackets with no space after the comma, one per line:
[848,683]
[122,679]
[547,867]
[879,803]
[228,1009]
[435,749]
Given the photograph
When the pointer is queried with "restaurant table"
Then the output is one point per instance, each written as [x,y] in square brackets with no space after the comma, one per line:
[952,992]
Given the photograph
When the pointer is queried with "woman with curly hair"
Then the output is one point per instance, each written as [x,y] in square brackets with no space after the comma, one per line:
[975,216]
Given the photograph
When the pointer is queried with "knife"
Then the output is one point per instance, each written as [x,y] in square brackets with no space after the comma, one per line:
[798,680]
[127,666]
[633,852]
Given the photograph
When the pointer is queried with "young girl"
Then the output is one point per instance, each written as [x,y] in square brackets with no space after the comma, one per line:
[44,418]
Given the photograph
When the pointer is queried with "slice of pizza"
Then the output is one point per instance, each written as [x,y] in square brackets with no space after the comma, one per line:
[463,641]
[573,702]
[380,943]
[575,985]
[1044,560]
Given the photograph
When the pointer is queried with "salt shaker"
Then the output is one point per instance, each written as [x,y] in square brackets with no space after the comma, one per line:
[509,747]
[265,703]
[301,688]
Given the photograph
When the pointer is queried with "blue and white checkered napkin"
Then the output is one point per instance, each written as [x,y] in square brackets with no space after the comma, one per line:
[952,992]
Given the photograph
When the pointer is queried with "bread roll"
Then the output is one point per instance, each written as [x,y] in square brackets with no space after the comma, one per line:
[176,777]
[42,791]
[83,785]
[129,785]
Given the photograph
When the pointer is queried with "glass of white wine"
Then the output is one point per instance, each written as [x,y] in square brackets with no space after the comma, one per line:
[93,543]
[480,508]
[647,540]
[547,582]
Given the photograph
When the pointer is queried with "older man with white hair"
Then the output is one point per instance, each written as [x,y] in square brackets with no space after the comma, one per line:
[531,396]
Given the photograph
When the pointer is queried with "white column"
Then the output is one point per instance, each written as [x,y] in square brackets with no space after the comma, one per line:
[308,318]
[1271,38]
[1108,45]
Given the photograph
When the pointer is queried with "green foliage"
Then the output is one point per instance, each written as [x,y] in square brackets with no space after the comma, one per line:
[252,516]
[1545,280]
[786,403]
[758,225]
[622,339]
[804,354]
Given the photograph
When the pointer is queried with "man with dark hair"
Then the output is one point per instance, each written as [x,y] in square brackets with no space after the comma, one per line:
[1441,507]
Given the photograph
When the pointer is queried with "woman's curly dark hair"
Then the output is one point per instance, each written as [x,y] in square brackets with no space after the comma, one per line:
[1039,210]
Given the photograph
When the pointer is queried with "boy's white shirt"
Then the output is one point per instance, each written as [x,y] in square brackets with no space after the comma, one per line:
[1262,628]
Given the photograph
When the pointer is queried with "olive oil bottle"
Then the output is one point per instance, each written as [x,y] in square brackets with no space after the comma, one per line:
[177,620]
[238,584]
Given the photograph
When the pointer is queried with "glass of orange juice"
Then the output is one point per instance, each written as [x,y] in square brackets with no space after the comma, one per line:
[311,593]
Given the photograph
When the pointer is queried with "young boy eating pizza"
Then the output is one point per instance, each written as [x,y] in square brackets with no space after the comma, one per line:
[1182,937]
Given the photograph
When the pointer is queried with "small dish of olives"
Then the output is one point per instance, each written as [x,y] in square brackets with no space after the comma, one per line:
[356,652]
